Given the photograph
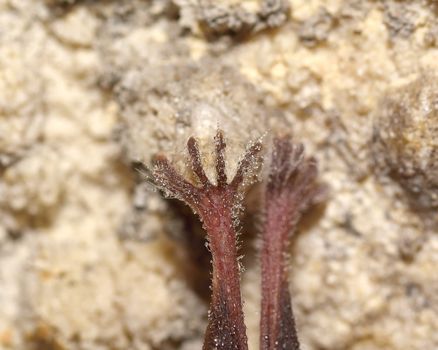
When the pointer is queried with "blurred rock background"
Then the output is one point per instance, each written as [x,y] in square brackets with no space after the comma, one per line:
[92,258]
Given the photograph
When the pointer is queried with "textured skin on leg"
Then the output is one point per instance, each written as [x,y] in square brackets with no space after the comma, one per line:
[291,187]
[215,206]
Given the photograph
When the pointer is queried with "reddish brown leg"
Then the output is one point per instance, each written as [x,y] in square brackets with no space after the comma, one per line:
[290,188]
[215,205]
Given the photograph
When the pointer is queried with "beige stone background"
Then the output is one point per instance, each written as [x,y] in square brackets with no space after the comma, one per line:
[93,258]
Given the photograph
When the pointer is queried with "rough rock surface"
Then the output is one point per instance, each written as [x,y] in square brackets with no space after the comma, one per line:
[90,88]
[406,140]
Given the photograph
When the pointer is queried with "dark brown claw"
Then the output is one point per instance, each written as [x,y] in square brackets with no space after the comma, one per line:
[220,160]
